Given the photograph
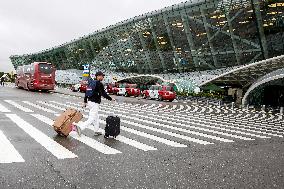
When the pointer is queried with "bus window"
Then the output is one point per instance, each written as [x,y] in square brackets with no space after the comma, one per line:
[45,68]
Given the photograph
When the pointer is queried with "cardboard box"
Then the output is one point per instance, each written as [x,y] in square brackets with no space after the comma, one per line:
[63,123]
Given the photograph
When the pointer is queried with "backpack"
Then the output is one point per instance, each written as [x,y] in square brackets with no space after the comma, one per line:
[90,90]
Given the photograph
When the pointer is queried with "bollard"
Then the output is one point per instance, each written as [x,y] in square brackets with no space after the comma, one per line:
[281,111]
[263,108]
[207,102]
[233,105]
[219,104]
[247,107]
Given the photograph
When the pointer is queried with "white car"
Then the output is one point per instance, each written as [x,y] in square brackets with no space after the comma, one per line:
[121,89]
[75,88]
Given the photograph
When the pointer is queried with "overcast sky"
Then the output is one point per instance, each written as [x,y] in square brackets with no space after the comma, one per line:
[28,26]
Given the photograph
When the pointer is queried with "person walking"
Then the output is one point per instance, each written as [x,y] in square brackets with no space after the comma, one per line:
[2,80]
[93,104]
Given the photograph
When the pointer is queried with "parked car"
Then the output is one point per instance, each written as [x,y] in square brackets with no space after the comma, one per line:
[121,89]
[132,90]
[76,87]
[115,90]
[111,88]
[160,93]
[83,86]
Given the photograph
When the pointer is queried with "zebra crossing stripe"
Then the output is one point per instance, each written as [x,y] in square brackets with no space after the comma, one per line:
[146,135]
[165,107]
[51,105]
[259,129]
[8,154]
[56,149]
[162,131]
[131,142]
[134,143]
[210,110]
[181,107]
[153,137]
[195,109]
[219,127]
[39,107]
[94,144]
[84,139]
[185,130]
[4,109]
[120,138]
[151,106]
[227,134]
[58,103]
[204,129]
[234,127]
[203,109]
[235,136]
[18,106]
[190,118]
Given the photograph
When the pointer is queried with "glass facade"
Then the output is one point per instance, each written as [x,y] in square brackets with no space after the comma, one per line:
[192,36]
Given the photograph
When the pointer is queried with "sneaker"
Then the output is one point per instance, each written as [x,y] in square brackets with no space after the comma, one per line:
[98,133]
[78,130]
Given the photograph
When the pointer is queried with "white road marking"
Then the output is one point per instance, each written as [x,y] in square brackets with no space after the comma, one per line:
[84,139]
[39,107]
[8,154]
[199,128]
[146,135]
[161,131]
[51,105]
[181,129]
[56,149]
[4,109]
[94,144]
[18,106]
[153,137]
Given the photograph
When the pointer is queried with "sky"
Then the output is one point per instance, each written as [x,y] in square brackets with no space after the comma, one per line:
[30,26]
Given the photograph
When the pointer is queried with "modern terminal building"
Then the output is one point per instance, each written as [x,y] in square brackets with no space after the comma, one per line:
[232,43]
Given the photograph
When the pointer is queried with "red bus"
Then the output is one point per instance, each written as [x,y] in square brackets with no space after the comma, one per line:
[36,76]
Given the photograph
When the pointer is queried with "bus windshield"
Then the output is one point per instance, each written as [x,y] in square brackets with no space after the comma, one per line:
[45,68]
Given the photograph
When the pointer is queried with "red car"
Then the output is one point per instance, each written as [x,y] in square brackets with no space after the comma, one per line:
[160,92]
[83,86]
[132,90]
[112,89]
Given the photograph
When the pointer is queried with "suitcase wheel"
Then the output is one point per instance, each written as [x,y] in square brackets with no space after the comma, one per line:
[106,136]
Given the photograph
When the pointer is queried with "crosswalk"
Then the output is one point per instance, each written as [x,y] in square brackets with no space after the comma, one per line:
[144,127]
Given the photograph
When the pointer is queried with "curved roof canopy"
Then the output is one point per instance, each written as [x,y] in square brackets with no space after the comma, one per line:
[273,76]
[245,75]
[142,79]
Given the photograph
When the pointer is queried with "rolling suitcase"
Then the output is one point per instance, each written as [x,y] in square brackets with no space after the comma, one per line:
[112,126]
[63,123]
